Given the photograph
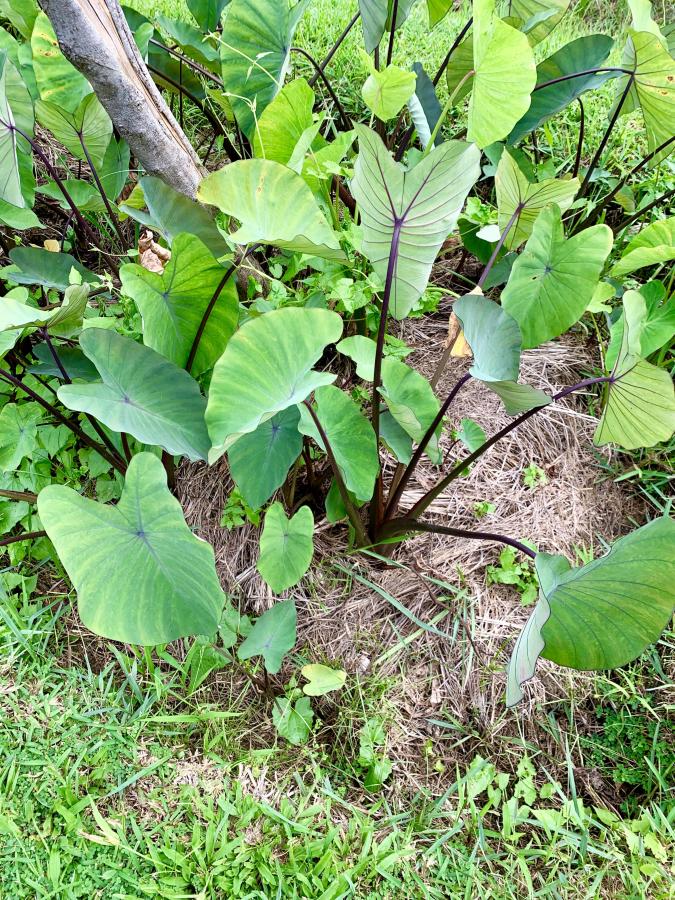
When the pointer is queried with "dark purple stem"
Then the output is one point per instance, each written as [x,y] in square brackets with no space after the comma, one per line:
[463,464]
[346,123]
[26,536]
[401,526]
[580,143]
[342,487]
[605,138]
[562,78]
[393,501]
[207,312]
[334,49]
[458,40]
[394,16]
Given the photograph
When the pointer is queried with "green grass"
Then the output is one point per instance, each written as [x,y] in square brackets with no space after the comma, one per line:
[119,784]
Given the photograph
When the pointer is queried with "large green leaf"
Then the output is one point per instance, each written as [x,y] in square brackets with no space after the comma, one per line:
[458,69]
[171,213]
[653,88]
[10,175]
[640,407]
[583,54]
[259,461]
[553,280]
[493,335]
[286,547]
[385,92]
[254,49]
[350,436]
[266,368]
[272,636]
[140,574]
[172,304]
[35,265]
[412,209]
[601,615]
[517,197]
[273,205]
[411,402]
[141,393]
[58,81]
[505,75]
[207,13]
[284,121]
[114,169]
[653,245]
[88,125]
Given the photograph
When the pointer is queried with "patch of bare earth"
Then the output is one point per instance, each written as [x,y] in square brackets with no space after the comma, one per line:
[456,675]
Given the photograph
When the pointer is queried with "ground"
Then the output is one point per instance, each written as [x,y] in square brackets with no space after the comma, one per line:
[124,776]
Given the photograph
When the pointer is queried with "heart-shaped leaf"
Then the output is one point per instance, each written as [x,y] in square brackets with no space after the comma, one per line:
[141,393]
[602,615]
[273,205]
[259,461]
[173,304]
[244,392]
[286,547]
[272,636]
[140,574]
[501,91]
[493,335]
[522,202]
[385,92]
[322,680]
[254,50]
[409,212]
[640,406]
[350,436]
[10,174]
[553,280]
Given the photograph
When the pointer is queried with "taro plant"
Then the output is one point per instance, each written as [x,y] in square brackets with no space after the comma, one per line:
[263,331]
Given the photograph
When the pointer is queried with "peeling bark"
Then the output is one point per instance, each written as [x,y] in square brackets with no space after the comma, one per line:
[95,37]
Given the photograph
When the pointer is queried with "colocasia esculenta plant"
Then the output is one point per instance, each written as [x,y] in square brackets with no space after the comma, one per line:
[345,221]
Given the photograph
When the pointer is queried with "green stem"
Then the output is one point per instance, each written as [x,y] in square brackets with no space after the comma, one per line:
[445,111]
